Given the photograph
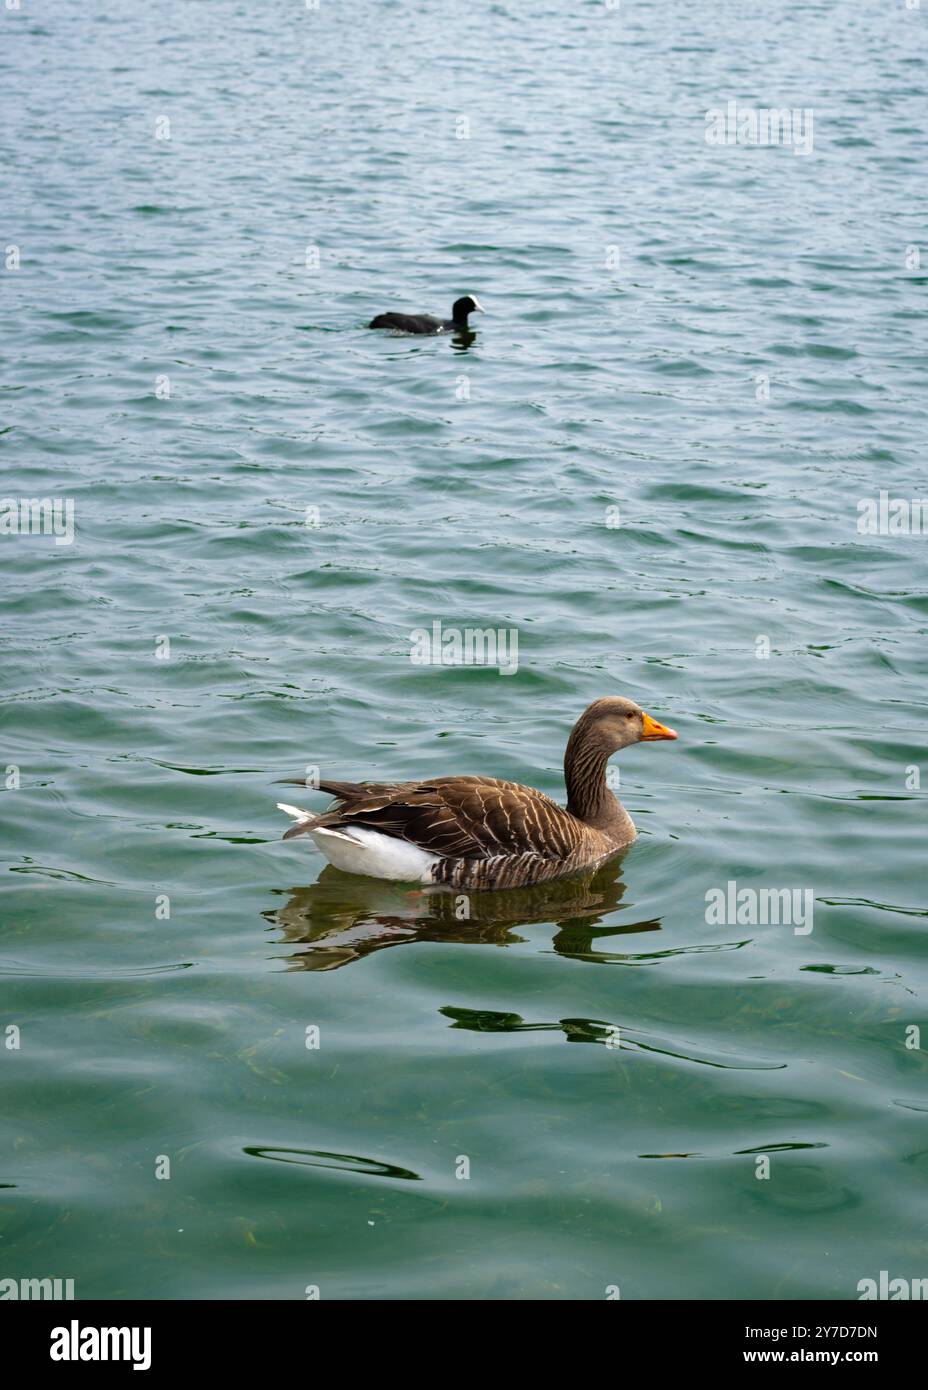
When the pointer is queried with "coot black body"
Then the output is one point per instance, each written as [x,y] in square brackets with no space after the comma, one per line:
[425,323]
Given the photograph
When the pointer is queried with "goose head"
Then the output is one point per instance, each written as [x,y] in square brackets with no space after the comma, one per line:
[616,722]
[603,728]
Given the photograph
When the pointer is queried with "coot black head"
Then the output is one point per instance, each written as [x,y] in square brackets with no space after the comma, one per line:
[463,307]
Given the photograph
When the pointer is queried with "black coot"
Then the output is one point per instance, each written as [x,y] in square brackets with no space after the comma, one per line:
[425,323]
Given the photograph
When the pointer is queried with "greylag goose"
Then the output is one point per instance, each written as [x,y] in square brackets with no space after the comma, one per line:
[425,323]
[480,832]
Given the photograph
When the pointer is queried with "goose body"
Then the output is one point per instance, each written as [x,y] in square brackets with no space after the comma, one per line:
[481,832]
[426,323]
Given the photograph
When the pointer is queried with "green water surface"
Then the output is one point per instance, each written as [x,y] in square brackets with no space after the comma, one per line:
[569,1091]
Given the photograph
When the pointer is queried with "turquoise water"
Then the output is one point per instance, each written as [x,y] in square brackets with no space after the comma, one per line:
[163,953]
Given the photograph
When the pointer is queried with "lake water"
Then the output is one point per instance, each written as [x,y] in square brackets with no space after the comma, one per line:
[698,362]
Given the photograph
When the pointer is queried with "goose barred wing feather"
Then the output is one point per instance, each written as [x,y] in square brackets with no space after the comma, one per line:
[460,817]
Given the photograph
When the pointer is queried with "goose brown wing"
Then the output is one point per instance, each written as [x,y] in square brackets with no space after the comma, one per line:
[462,817]
[348,791]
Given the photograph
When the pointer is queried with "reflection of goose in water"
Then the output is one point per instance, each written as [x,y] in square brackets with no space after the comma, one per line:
[342,918]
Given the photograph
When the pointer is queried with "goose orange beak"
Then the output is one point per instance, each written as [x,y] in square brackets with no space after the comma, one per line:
[652,730]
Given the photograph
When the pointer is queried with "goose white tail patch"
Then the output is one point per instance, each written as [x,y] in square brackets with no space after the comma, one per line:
[375,855]
[331,834]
